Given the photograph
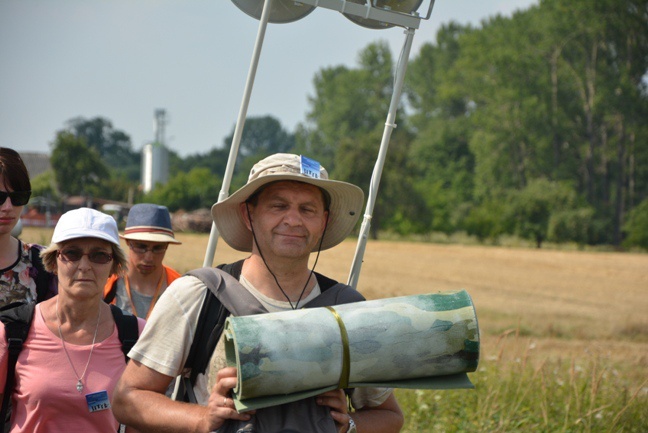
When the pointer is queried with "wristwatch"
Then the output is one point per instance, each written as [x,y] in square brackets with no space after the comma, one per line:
[352,426]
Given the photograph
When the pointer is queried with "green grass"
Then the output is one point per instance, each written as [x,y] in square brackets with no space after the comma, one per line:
[515,396]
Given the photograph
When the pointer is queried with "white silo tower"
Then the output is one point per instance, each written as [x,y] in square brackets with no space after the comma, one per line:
[155,156]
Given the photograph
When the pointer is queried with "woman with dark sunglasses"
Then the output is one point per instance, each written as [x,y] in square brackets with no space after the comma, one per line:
[72,357]
[22,278]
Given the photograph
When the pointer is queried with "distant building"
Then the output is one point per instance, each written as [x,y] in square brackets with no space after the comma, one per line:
[155,166]
[155,156]
[36,163]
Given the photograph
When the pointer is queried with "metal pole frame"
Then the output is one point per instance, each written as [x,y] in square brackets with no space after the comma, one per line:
[380,161]
[238,131]
[410,23]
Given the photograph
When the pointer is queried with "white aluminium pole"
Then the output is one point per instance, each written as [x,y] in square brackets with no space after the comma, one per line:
[380,161]
[238,131]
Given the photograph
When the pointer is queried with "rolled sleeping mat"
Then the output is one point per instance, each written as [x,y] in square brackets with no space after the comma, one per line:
[419,342]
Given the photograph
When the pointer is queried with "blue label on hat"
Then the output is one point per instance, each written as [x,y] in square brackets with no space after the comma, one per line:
[309,167]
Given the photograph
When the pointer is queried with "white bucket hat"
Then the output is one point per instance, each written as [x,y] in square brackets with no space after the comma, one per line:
[85,223]
[344,209]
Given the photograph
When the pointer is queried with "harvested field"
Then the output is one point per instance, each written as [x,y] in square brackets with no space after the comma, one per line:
[570,303]
[564,333]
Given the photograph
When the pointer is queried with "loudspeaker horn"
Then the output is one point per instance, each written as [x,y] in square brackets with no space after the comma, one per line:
[281,12]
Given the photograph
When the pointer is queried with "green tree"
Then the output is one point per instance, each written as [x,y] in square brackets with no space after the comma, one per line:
[557,92]
[188,191]
[78,169]
[112,145]
[484,220]
[636,227]
[571,225]
[344,131]
[533,207]
[44,185]
[215,161]
[261,137]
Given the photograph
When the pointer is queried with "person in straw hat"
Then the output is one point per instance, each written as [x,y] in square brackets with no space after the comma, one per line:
[288,209]
[148,234]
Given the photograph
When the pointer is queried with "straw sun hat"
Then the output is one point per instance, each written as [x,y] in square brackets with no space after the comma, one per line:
[344,209]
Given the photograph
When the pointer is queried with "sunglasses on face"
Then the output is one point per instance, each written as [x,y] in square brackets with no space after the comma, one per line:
[74,255]
[18,198]
[143,249]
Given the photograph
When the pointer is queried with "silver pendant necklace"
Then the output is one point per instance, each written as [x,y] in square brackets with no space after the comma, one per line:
[79,385]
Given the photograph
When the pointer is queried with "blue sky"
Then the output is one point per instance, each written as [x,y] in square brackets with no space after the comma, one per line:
[122,59]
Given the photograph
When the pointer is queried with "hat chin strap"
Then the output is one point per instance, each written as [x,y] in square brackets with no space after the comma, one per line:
[319,249]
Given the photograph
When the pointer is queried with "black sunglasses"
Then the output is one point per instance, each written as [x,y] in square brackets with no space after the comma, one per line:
[74,255]
[18,198]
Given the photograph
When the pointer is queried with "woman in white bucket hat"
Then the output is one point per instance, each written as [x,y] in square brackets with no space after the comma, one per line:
[72,357]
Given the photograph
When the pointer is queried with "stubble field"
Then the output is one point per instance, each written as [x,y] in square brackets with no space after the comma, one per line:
[564,334]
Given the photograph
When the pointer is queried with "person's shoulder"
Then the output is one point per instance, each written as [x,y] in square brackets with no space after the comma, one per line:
[325,282]
[31,251]
[186,288]
[334,293]
[347,294]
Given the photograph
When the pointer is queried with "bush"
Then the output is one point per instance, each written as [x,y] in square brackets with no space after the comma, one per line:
[636,227]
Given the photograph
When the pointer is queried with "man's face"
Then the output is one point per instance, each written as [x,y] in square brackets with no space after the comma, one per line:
[288,219]
[146,257]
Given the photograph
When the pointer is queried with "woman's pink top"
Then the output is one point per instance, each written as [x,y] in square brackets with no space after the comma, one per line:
[45,398]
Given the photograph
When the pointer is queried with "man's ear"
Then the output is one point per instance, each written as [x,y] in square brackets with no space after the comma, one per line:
[327,219]
[247,218]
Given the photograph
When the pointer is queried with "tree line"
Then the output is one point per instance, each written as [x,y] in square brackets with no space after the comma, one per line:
[533,125]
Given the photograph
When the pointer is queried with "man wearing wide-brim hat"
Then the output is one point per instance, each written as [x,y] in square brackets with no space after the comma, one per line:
[148,234]
[288,209]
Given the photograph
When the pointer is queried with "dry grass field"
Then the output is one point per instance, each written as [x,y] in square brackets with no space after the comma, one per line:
[540,305]
[569,303]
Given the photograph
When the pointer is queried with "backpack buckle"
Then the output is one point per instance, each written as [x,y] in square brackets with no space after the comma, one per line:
[14,345]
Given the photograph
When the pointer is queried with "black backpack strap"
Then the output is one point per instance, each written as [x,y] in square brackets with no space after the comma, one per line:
[208,332]
[324,282]
[210,324]
[17,318]
[43,278]
[234,269]
[127,328]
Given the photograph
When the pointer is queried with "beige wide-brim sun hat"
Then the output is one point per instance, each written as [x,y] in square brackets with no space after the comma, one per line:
[344,210]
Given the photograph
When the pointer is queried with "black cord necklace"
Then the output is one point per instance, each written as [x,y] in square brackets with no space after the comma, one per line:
[319,248]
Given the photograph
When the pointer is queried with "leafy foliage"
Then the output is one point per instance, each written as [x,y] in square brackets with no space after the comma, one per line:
[636,226]
[532,125]
[113,146]
[78,169]
[193,190]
